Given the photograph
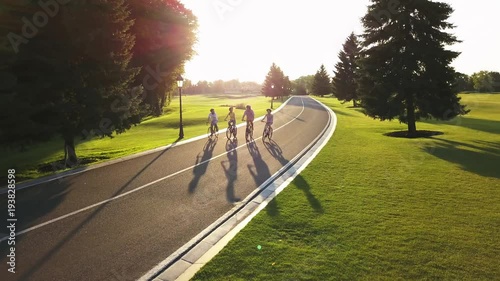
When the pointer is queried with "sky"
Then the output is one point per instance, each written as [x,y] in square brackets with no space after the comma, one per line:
[240,39]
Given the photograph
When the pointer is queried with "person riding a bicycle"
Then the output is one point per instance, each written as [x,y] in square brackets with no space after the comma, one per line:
[250,116]
[269,118]
[212,119]
[232,117]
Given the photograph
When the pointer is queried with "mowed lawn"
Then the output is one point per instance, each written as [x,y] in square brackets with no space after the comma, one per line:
[36,160]
[372,207]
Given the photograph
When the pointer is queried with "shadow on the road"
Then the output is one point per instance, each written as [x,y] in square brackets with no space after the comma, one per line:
[201,164]
[230,167]
[30,204]
[275,150]
[28,275]
[259,170]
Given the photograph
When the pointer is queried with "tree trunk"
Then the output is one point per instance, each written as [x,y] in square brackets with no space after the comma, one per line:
[410,112]
[70,158]
[355,103]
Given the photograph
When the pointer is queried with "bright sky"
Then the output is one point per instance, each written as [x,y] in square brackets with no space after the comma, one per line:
[240,39]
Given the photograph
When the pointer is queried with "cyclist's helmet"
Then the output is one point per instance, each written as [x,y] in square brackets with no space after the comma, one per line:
[268,110]
[231,108]
[248,107]
[211,110]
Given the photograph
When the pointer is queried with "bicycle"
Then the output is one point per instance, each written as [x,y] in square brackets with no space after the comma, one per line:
[211,132]
[249,131]
[268,132]
[231,130]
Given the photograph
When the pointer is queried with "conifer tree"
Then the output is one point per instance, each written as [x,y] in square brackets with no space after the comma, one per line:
[345,82]
[321,84]
[405,70]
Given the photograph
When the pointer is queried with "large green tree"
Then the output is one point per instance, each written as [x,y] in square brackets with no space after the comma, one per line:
[165,34]
[344,81]
[72,77]
[405,70]
[276,84]
[495,77]
[486,81]
[321,85]
[302,85]
[463,83]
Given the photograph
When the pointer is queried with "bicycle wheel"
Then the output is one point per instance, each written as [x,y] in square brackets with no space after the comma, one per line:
[265,133]
[228,132]
[235,131]
[270,133]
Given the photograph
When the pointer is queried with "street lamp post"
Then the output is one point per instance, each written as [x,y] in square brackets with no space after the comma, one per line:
[272,95]
[180,82]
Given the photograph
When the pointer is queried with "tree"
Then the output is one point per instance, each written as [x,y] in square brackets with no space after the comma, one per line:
[321,84]
[276,84]
[73,77]
[495,77]
[405,69]
[463,83]
[165,34]
[302,85]
[483,81]
[344,81]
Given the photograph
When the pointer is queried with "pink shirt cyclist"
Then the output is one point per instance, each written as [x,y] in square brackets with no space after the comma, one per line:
[269,118]
[249,114]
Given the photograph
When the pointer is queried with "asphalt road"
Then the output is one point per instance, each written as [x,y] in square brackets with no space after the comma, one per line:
[119,221]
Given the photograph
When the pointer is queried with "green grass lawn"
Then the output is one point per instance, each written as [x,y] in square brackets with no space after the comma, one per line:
[36,160]
[372,207]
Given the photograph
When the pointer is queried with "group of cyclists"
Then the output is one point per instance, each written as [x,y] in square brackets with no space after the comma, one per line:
[250,116]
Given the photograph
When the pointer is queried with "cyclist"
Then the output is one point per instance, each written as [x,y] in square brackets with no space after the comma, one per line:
[250,116]
[269,119]
[232,117]
[212,118]
[231,129]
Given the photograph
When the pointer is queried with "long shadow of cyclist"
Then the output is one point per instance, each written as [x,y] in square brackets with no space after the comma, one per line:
[202,162]
[259,170]
[230,167]
[301,183]
[275,150]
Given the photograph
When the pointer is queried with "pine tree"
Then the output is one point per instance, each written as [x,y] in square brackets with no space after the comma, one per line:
[344,81]
[276,84]
[405,70]
[321,84]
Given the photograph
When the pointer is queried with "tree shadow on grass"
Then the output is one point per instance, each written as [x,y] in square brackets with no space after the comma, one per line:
[483,125]
[338,112]
[481,159]
[418,134]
